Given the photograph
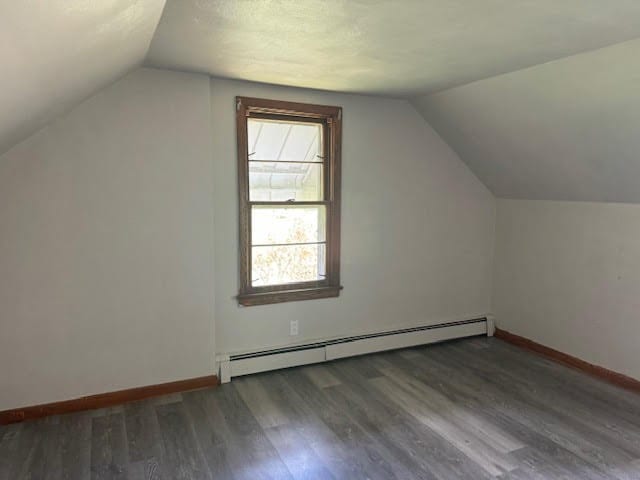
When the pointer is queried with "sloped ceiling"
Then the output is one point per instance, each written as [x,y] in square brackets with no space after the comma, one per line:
[54,53]
[389,47]
[562,125]
[565,130]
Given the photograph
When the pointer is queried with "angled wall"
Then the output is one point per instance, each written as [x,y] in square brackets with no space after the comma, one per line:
[563,130]
[566,273]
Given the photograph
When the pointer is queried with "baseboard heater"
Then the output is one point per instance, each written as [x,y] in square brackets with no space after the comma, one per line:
[277,358]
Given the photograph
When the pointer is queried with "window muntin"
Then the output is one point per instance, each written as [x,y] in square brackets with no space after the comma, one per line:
[289,200]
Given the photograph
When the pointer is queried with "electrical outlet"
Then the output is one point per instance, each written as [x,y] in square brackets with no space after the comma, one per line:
[293,327]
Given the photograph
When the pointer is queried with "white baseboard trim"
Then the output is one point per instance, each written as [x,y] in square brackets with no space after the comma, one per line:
[230,366]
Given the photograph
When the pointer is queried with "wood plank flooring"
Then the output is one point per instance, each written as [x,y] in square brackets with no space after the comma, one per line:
[469,409]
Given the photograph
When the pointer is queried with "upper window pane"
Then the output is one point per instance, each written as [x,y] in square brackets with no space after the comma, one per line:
[284,141]
[284,181]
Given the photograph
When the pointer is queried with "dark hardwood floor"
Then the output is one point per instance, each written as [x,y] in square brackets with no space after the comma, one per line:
[470,409]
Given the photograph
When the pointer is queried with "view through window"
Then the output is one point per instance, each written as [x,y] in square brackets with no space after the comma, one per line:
[289,200]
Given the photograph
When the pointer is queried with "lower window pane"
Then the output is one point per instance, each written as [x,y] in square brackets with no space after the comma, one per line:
[276,265]
[287,224]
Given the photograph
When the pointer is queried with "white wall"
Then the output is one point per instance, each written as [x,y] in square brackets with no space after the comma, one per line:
[417,227]
[106,244]
[567,275]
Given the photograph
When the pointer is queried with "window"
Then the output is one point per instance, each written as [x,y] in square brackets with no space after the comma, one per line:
[289,186]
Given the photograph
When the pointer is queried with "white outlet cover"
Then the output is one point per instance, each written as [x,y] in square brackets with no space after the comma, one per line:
[293,327]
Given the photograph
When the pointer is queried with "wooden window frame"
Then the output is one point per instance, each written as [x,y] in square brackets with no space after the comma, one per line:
[331,118]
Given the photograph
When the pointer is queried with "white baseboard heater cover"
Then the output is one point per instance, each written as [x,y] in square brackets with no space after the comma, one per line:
[264,360]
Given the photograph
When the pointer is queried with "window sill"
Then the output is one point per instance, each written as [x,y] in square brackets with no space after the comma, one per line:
[250,299]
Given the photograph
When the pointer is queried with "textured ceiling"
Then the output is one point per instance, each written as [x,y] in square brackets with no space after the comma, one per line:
[565,130]
[562,125]
[55,53]
[390,47]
